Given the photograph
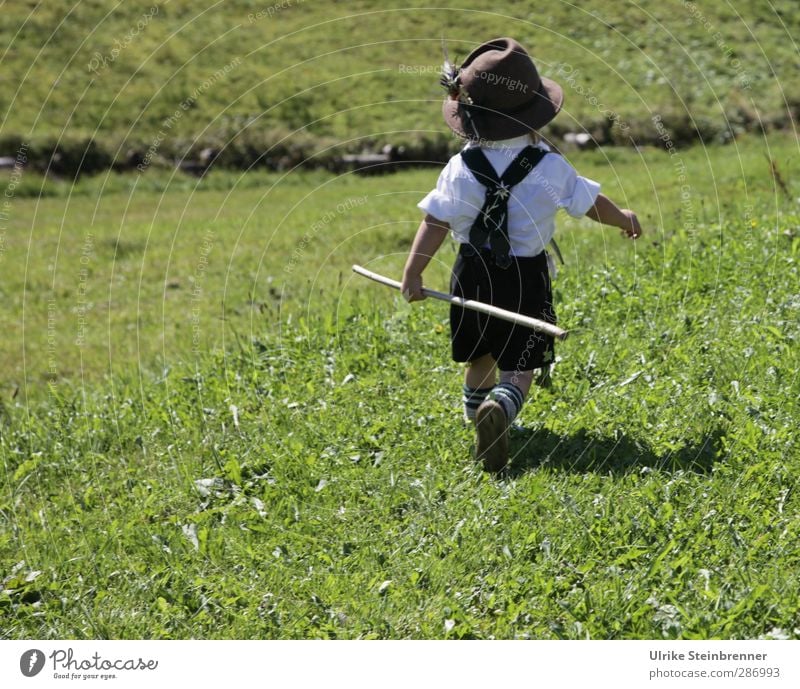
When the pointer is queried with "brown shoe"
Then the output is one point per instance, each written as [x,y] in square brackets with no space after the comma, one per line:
[491,426]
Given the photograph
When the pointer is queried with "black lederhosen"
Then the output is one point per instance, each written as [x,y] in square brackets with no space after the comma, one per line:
[523,287]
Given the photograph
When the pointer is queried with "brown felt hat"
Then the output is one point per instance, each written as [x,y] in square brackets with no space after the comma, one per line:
[498,93]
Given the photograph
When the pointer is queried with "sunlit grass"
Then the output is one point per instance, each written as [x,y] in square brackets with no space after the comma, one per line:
[303,471]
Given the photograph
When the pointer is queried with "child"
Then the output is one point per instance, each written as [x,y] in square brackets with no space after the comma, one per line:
[499,199]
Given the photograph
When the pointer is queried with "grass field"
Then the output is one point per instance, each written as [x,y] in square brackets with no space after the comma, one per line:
[96,81]
[130,274]
[211,429]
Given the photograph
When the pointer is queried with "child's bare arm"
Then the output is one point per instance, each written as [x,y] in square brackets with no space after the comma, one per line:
[429,238]
[607,212]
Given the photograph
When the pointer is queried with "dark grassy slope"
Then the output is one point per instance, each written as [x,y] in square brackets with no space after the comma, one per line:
[300,76]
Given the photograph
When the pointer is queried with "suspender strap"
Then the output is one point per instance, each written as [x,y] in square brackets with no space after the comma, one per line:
[492,220]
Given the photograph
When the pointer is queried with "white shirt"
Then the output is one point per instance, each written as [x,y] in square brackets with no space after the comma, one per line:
[532,206]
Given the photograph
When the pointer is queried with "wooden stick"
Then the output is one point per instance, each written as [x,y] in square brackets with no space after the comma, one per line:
[489,310]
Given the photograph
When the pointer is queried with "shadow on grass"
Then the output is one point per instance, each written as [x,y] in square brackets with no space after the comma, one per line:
[583,453]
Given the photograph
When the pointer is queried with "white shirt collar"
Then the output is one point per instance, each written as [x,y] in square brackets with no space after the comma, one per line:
[506,144]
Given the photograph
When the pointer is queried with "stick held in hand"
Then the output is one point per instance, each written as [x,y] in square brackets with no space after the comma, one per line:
[488,309]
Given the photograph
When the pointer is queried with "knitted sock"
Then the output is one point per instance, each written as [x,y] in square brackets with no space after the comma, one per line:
[473,397]
[510,398]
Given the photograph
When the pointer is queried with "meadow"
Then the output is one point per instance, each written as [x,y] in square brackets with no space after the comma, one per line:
[102,83]
[211,429]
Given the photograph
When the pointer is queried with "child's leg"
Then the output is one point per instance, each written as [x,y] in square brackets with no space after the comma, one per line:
[512,391]
[479,379]
[496,414]
[481,373]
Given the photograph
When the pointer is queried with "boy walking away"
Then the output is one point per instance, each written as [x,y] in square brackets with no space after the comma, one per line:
[499,197]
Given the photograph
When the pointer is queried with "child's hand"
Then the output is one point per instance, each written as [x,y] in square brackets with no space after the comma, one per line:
[607,212]
[630,226]
[411,287]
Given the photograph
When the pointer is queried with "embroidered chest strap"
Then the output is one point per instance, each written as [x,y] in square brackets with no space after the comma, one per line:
[492,220]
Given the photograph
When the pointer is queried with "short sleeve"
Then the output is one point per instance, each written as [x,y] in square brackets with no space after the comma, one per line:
[578,194]
[441,203]
[584,195]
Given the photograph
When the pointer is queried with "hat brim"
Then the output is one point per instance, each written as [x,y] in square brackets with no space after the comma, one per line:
[476,122]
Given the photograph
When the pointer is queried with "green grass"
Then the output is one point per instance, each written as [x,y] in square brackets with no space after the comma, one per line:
[128,274]
[318,74]
[302,470]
